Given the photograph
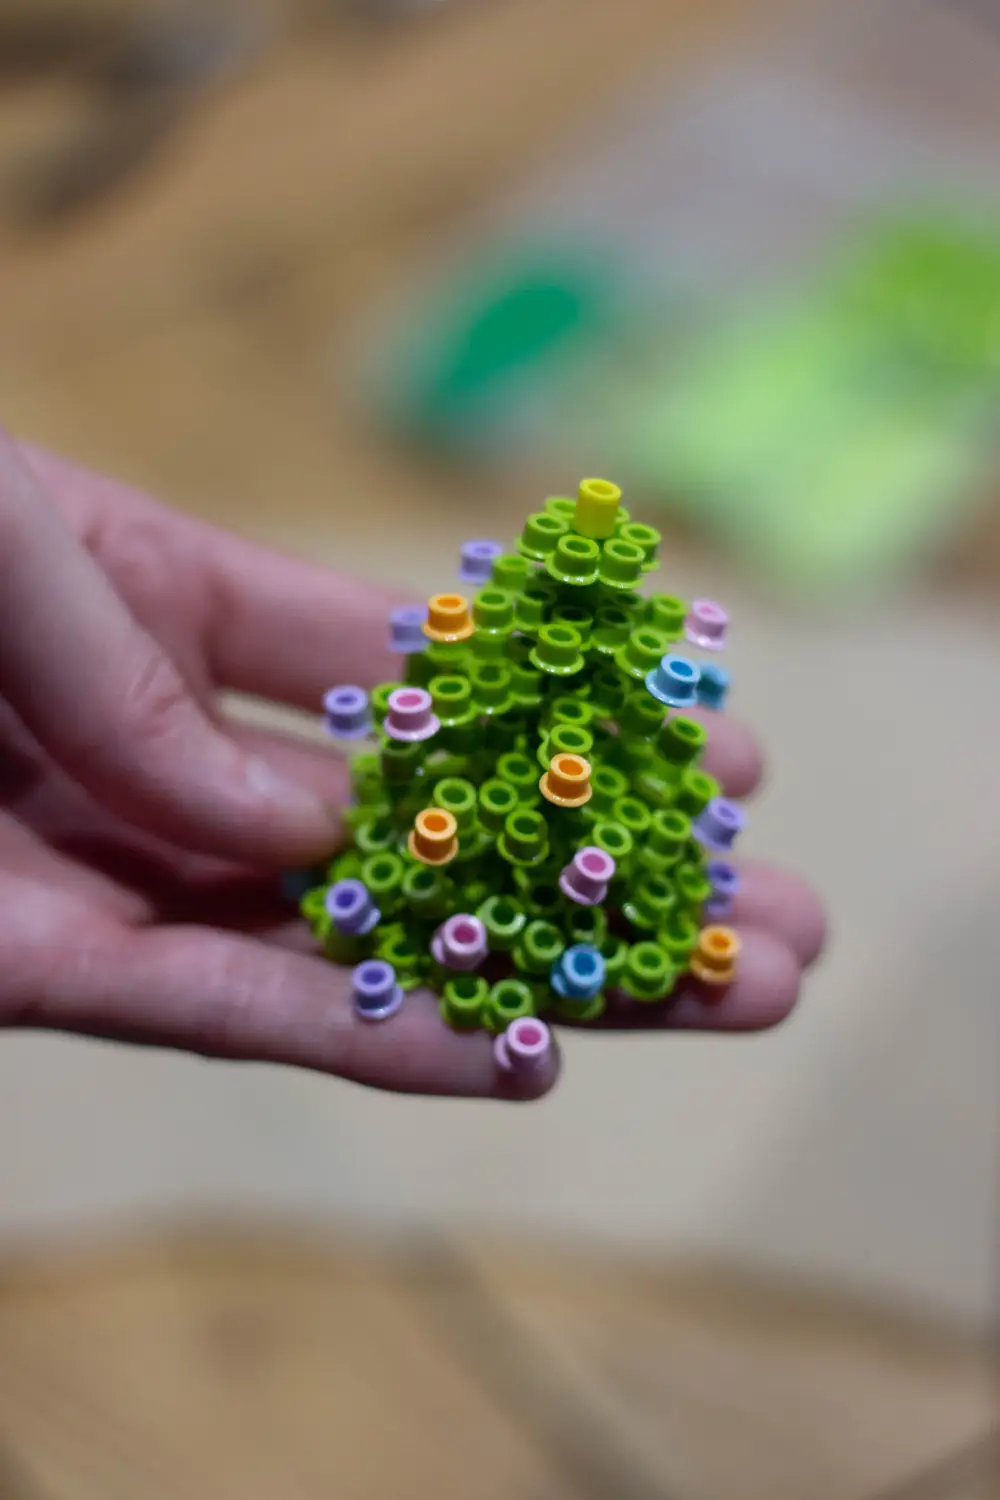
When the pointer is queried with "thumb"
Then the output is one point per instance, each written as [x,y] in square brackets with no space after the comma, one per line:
[110,707]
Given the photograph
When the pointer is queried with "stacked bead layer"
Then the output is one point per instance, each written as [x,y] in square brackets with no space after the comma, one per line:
[531,831]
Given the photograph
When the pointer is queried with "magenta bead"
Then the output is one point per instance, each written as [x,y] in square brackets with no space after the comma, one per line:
[585,878]
[460,943]
[409,715]
[707,625]
[524,1048]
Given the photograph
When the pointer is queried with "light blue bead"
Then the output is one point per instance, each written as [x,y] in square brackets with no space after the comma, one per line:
[578,974]
[674,681]
[713,685]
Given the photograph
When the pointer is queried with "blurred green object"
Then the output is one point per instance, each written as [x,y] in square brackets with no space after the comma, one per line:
[831,436]
[827,434]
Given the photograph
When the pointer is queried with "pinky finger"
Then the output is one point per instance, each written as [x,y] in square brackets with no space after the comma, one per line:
[763,994]
[234,998]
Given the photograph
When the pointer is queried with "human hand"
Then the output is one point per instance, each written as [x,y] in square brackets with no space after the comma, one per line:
[141,831]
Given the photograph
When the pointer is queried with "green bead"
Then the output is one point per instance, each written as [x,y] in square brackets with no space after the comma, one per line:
[641,652]
[607,785]
[458,797]
[678,937]
[497,800]
[652,900]
[417,669]
[401,761]
[575,561]
[472,848]
[380,699]
[447,658]
[565,739]
[648,973]
[451,700]
[681,740]
[529,612]
[611,630]
[693,886]
[493,609]
[504,921]
[582,620]
[632,815]
[621,565]
[524,840]
[505,731]
[563,709]
[429,893]
[561,506]
[444,763]
[587,924]
[607,691]
[346,866]
[695,791]
[519,652]
[508,1000]
[655,784]
[491,687]
[383,875]
[633,754]
[511,571]
[365,777]
[576,685]
[354,814]
[646,538]
[538,947]
[493,613]
[400,950]
[312,906]
[613,838]
[540,586]
[526,686]
[539,896]
[520,773]
[475,892]
[622,518]
[557,650]
[665,843]
[582,1012]
[640,715]
[344,947]
[463,1002]
[375,837]
[465,738]
[540,535]
[614,951]
[667,613]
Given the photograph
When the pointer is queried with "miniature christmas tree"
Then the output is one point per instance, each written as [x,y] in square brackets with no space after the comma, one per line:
[530,831]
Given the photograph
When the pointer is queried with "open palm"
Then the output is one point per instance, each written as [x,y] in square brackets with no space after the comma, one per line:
[141,832]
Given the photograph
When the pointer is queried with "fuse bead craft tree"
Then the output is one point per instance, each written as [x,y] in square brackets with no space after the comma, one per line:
[531,834]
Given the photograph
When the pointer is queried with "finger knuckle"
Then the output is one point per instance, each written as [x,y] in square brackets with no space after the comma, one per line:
[155,703]
[135,554]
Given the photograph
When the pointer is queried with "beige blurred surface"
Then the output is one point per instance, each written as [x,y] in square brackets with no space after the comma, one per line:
[195,334]
[254,1366]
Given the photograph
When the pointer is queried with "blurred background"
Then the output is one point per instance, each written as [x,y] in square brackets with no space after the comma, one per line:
[363,279]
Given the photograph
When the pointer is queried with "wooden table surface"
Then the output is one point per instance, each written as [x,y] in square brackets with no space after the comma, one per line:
[249,1366]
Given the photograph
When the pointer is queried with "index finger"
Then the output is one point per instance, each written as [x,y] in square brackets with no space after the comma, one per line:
[267,623]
